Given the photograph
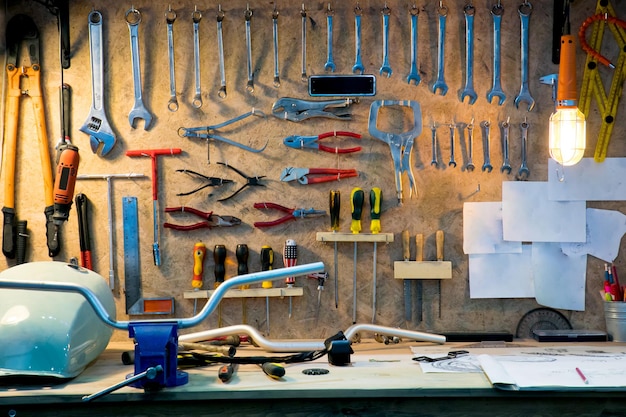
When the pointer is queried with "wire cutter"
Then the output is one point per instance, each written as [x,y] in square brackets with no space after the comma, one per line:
[209,181]
[210,219]
[296,110]
[292,214]
[250,181]
[302,174]
[301,142]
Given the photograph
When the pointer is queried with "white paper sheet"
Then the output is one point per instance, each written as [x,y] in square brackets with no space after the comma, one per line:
[482,229]
[502,275]
[529,216]
[605,229]
[588,180]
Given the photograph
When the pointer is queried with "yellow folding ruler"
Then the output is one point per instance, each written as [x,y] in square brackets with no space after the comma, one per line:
[592,83]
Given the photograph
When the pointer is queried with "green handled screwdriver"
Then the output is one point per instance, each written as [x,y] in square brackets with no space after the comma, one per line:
[335,206]
[357,197]
[267,263]
[376,203]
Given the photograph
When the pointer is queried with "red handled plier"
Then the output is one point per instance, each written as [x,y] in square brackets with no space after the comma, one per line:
[300,142]
[302,174]
[210,219]
[292,214]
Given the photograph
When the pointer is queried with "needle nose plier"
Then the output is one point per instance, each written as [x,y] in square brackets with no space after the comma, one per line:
[292,214]
[302,174]
[301,142]
[208,181]
[210,219]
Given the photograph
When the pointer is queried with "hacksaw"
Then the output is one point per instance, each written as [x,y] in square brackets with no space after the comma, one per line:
[592,84]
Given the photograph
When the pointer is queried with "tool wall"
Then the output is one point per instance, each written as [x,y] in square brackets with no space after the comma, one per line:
[435,203]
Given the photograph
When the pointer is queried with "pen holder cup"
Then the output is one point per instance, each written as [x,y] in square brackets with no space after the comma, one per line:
[615,315]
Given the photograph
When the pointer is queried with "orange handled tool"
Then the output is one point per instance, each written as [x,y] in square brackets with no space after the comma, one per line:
[199,251]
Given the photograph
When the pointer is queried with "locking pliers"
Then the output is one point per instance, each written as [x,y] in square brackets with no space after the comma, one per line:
[297,110]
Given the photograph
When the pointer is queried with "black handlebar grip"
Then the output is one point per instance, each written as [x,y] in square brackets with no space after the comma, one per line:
[219,257]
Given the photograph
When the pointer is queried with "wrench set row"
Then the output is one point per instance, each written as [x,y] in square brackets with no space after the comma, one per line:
[485,126]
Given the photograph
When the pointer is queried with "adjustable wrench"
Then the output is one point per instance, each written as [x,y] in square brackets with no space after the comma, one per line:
[220,48]
[170,17]
[386,68]
[470,146]
[303,14]
[275,37]
[196,16]
[434,162]
[524,172]
[452,162]
[139,111]
[440,84]
[101,135]
[330,64]
[248,17]
[358,63]
[485,125]
[469,91]
[524,10]
[413,74]
[496,88]
[506,165]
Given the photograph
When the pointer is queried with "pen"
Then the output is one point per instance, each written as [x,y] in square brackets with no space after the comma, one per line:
[582,376]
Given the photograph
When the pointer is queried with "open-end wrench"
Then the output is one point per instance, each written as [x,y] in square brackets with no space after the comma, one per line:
[196,16]
[170,17]
[506,164]
[248,17]
[434,162]
[330,64]
[440,84]
[220,48]
[275,37]
[485,127]
[470,146]
[101,136]
[469,91]
[452,162]
[523,173]
[385,69]
[524,10]
[496,88]
[303,15]
[413,74]
[358,62]
[139,111]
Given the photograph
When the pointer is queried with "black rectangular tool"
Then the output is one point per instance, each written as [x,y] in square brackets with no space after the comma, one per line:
[569,335]
[342,85]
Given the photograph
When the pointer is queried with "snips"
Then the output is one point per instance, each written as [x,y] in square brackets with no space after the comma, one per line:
[291,214]
[210,220]
[296,110]
[329,174]
[313,142]
[401,144]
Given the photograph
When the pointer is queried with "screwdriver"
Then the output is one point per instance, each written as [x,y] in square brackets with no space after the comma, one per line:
[219,257]
[199,251]
[267,263]
[357,196]
[335,206]
[226,371]
[290,258]
[273,370]
[376,203]
[242,254]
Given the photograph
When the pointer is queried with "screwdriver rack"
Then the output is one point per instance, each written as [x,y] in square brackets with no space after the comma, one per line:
[354,237]
[248,293]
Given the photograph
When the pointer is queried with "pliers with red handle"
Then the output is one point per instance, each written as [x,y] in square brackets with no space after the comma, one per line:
[292,214]
[329,174]
[300,142]
[210,219]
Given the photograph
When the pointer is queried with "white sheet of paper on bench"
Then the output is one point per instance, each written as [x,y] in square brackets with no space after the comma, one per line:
[588,180]
[482,229]
[529,216]
[501,275]
[605,229]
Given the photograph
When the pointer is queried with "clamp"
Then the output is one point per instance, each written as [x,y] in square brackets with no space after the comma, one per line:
[292,214]
[296,110]
[302,174]
[209,181]
[210,219]
[301,142]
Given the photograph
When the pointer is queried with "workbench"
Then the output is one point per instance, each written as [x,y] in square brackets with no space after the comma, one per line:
[380,380]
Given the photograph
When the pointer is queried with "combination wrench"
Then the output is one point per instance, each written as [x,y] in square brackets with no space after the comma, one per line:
[220,48]
[470,146]
[469,91]
[139,111]
[170,17]
[413,74]
[452,162]
[506,164]
[434,162]
[385,69]
[440,84]
[303,15]
[275,37]
[524,10]
[358,62]
[330,64]
[196,16]
[496,88]
[524,172]
[248,17]
[101,136]
[485,127]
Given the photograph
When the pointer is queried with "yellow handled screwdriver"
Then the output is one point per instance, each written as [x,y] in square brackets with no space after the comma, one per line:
[357,196]
[267,263]
[199,252]
[376,203]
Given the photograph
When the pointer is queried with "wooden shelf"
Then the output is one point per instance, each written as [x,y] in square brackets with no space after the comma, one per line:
[249,293]
[354,237]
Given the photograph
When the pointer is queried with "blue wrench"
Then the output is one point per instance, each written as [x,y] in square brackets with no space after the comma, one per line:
[440,84]
[496,89]
[524,10]
[469,91]
[358,63]
[330,64]
[386,68]
[413,75]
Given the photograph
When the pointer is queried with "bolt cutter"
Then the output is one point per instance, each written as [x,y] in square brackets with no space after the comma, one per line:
[302,174]
[292,214]
[301,142]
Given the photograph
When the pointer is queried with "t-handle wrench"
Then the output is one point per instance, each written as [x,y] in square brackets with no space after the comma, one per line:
[506,165]
[220,48]
[385,69]
[524,10]
[330,64]
[486,125]
[303,15]
[139,111]
[523,173]
[358,63]
[248,17]
[413,74]
[469,91]
[170,17]
[275,37]
[496,88]
[440,84]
